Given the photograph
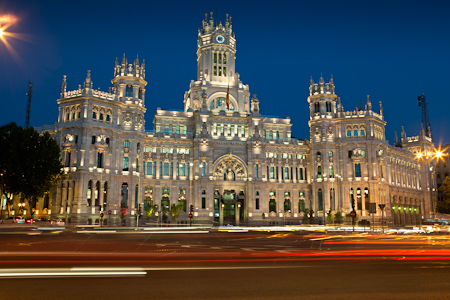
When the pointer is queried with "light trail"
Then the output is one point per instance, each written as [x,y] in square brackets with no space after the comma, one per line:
[71,272]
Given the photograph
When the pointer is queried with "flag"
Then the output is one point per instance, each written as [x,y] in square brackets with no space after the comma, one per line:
[227,99]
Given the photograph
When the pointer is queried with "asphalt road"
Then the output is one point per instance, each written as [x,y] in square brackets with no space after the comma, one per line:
[129,264]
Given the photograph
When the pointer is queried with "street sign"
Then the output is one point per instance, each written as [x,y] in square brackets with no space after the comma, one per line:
[101,215]
[353,214]
[372,208]
[109,212]
[190,215]
[381,206]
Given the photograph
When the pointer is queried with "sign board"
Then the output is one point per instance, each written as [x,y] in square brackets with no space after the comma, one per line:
[372,208]
[109,212]
[190,215]
[101,215]
[381,206]
[353,214]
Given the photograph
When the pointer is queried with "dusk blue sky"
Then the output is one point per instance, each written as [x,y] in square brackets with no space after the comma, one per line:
[390,50]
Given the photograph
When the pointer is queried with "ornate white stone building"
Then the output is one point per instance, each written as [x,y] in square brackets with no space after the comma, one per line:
[221,156]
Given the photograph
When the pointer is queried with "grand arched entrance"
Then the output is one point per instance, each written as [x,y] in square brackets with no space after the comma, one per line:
[230,173]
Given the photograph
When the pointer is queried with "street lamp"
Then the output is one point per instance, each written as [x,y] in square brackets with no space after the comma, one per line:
[21,207]
[429,157]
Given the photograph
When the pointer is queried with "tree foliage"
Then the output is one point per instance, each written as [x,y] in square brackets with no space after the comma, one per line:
[444,206]
[30,162]
[175,211]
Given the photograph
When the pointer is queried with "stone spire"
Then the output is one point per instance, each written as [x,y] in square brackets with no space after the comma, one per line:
[64,86]
[381,109]
[255,104]
[368,104]
[88,81]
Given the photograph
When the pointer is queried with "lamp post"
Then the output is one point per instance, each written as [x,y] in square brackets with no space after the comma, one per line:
[21,207]
[430,156]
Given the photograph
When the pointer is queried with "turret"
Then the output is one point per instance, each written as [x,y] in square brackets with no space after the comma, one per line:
[129,81]
[322,99]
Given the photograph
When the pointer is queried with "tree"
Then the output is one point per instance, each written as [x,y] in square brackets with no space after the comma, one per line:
[338,217]
[444,206]
[30,163]
[175,211]
[149,209]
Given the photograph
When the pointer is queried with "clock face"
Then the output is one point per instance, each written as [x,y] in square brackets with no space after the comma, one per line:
[220,39]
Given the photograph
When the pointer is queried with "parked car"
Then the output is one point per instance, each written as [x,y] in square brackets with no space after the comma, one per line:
[16,219]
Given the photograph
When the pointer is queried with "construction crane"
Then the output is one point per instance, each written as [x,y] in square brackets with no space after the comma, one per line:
[425,119]
[29,94]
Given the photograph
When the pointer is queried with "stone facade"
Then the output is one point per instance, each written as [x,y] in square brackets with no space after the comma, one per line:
[223,158]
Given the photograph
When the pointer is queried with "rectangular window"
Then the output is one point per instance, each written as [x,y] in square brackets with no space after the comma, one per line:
[224,71]
[286,172]
[125,163]
[170,128]
[215,128]
[184,129]
[182,169]
[178,129]
[272,176]
[235,129]
[331,171]
[221,128]
[319,171]
[215,70]
[203,202]
[203,169]
[242,130]
[257,203]
[300,173]
[256,171]
[330,153]
[229,129]
[357,170]
[166,169]
[149,168]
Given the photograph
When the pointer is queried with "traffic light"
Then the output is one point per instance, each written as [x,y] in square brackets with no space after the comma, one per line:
[191,208]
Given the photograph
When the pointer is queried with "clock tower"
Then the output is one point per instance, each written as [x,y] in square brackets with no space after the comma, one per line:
[216,75]
[216,49]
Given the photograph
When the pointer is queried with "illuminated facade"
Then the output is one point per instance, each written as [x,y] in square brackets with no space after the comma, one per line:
[220,155]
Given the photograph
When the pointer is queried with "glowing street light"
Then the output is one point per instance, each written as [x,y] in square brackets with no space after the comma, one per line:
[429,156]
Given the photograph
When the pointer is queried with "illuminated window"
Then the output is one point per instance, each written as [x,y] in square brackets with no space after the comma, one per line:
[125,163]
[357,170]
[355,132]
[320,198]
[349,133]
[362,132]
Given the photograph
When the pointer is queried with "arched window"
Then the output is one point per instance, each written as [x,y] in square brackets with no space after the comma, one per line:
[287,205]
[366,198]
[301,205]
[352,200]
[89,193]
[98,193]
[320,199]
[332,199]
[272,205]
[359,199]
[124,195]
